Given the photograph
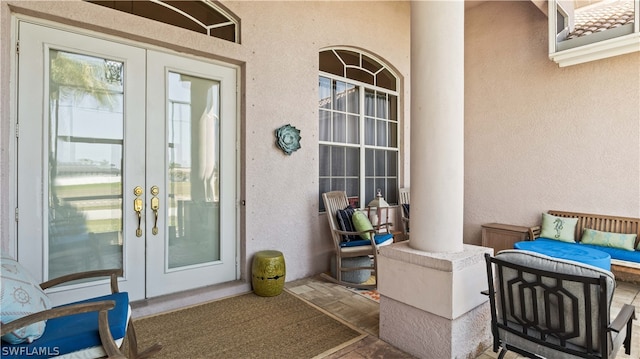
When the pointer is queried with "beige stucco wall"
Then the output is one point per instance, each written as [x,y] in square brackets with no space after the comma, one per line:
[540,137]
[537,136]
[279,59]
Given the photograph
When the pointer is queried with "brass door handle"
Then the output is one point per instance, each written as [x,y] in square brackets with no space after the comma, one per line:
[155,205]
[137,207]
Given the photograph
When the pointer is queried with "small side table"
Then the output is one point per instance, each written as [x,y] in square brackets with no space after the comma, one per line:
[397,236]
[268,273]
[503,236]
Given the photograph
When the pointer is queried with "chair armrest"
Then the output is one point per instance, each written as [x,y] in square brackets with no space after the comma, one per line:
[534,232]
[624,317]
[102,307]
[57,312]
[113,273]
[385,225]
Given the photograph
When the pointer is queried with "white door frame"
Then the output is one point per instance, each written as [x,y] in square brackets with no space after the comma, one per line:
[33,256]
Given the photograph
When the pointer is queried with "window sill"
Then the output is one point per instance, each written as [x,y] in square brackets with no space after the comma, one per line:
[598,50]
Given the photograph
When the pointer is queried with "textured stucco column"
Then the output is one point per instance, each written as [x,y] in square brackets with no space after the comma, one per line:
[430,301]
[437,125]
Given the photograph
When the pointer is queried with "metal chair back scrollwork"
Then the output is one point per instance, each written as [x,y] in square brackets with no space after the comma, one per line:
[548,307]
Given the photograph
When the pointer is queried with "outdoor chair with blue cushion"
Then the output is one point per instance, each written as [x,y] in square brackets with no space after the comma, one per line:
[405,202]
[351,233]
[547,307]
[92,328]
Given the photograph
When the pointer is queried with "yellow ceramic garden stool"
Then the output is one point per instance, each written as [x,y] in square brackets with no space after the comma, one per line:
[268,271]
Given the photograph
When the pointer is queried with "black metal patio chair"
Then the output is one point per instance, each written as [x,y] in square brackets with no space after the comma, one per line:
[544,307]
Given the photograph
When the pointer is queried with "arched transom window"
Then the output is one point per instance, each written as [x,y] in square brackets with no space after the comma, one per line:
[204,16]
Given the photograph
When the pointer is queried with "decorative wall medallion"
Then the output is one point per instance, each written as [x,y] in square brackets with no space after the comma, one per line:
[288,139]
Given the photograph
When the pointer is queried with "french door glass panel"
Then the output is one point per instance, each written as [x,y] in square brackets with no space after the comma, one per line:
[86,133]
[194,162]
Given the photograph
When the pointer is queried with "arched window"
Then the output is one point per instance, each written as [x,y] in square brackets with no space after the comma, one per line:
[205,16]
[358,123]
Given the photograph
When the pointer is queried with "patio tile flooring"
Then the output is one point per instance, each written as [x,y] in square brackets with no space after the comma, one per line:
[364,314]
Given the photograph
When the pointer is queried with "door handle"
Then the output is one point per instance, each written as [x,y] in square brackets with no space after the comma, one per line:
[155,205]
[137,206]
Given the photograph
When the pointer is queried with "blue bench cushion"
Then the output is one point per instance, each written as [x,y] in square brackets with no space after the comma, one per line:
[617,253]
[75,332]
[382,239]
[566,250]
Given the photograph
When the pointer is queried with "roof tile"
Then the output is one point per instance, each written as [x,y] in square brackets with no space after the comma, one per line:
[609,15]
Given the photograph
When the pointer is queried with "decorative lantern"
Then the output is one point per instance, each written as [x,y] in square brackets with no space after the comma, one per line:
[377,209]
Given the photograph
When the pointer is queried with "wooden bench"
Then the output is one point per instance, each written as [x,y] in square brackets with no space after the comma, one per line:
[624,270]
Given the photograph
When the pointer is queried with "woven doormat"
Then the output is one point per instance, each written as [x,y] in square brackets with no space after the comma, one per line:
[247,326]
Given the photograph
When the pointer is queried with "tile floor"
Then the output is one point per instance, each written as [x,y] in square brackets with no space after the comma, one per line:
[364,314]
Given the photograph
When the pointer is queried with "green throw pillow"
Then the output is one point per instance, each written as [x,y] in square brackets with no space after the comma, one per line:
[362,223]
[558,228]
[609,239]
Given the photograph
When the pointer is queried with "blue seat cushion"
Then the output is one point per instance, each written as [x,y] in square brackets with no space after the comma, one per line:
[74,332]
[617,253]
[567,250]
[380,238]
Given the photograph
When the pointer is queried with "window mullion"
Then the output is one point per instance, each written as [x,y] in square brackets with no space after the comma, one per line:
[362,147]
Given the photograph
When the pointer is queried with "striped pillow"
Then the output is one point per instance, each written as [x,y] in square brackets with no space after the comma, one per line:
[345,223]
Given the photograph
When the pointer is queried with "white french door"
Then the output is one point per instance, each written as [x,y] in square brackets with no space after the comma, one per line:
[126,159]
[191,153]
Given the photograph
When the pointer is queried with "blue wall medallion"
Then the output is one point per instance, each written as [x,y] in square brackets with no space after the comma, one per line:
[288,139]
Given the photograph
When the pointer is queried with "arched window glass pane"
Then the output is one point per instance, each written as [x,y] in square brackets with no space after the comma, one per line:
[386,80]
[330,63]
[371,65]
[349,58]
[360,75]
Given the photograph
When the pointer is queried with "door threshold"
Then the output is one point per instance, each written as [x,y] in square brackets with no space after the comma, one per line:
[180,300]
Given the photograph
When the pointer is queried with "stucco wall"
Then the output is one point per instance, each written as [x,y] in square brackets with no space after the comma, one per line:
[282,85]
[279,59]
[540,137]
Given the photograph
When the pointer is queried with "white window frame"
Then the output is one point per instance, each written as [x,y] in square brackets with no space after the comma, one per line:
[596,46]
[362,146]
